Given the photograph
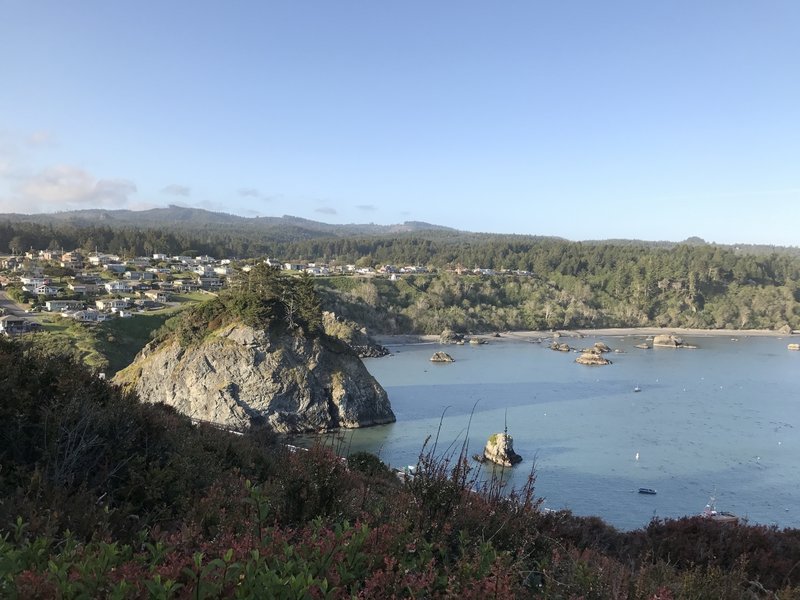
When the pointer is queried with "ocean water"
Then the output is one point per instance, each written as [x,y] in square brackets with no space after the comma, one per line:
[721,419]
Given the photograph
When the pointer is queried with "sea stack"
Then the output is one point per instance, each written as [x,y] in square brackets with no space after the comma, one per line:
[500,450]
[442,357]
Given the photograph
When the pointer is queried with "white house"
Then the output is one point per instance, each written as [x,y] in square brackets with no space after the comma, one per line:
[117,287]
[90,316]
[112,304]
[59,305]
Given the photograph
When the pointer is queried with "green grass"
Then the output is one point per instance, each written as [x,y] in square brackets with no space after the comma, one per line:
[119,340]
[111,345]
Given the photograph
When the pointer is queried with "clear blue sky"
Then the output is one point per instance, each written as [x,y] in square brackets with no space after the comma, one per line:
[587,120]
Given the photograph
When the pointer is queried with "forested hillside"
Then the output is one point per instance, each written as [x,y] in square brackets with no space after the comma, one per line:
[557,283]
[571,285]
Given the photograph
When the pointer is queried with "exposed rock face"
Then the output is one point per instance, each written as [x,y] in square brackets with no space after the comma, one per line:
[500,449]
[669,341]
[448,336]
[601,347]
[239,376]
[353,335]
[592,358]
[442,357]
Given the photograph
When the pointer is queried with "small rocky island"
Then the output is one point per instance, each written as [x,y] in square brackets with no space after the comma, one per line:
[592,358]
[442,357]
[667,341]
[499,449]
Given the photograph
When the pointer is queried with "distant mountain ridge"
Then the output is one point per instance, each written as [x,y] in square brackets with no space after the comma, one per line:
[180,216]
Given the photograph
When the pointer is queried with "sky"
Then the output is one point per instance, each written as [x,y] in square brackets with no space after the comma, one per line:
[579,119]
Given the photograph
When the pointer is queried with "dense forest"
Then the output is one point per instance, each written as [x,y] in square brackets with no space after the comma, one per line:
[102,496]
[549,283]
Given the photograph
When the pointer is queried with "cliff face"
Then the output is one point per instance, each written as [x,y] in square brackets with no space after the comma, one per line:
[238,376]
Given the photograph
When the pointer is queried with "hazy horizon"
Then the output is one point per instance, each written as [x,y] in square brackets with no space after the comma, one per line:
[618,120]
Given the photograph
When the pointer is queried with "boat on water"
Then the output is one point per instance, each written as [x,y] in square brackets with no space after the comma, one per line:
[637,389]
[711,512]
[650,491]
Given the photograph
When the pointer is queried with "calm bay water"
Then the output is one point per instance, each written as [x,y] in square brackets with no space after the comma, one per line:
[723,417]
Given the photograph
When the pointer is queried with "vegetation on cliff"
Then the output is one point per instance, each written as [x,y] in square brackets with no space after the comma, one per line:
[103,496]
[263,299]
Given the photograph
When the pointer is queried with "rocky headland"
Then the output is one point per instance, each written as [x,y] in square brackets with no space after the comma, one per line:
[240,376]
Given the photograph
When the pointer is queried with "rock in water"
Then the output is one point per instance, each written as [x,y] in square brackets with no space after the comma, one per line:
[500,449]
[238,376]
[668,341]
[592,358]
[442,357]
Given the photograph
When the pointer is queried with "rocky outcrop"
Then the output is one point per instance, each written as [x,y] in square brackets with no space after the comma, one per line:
[592,358]
[239,376]
[643,346]
[499,449]
[563,347]
[601,347]
[442,357]
[667,341]
[353,335]
[448,336]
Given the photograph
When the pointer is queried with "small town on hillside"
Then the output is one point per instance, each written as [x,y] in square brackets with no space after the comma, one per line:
[100,286]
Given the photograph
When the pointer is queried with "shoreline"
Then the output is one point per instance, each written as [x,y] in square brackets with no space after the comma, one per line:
[406,339]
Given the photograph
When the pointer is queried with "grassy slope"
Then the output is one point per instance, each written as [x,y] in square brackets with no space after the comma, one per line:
[112,345]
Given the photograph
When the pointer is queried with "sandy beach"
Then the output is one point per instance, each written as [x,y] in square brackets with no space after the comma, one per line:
[528,336]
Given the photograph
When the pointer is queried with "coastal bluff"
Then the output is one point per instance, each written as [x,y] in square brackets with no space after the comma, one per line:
[239,376]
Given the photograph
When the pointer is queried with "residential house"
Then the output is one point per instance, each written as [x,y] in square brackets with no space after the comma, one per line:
[82,288]
[185,285]
[208,283]
[203,270]
[140,261]
[186,260]
[12,263]
[158,256]
[34,281]
[157,296]
[115,267]
[59,305]
[139,275]
[90,316]
[72,260]
[10,325]
[289,266]
[117,287]
[42,290]
[112,304]
[103,259]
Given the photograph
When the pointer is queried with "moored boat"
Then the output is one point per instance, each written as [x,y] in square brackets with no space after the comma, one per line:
[650,491]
